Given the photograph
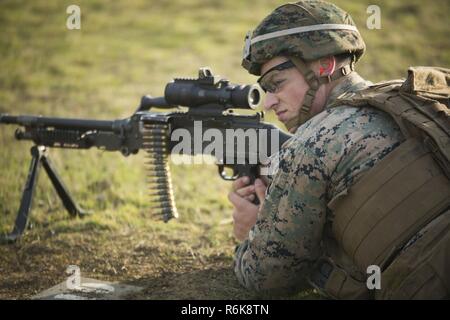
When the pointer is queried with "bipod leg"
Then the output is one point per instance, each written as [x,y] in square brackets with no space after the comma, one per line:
[27,196]
[66,198]
[40,156]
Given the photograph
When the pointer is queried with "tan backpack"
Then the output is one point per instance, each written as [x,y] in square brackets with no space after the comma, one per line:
[404,193]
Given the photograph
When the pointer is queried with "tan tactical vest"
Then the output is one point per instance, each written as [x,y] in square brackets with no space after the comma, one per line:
[404,193]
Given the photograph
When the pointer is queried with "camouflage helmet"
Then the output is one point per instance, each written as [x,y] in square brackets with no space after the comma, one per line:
[308,29]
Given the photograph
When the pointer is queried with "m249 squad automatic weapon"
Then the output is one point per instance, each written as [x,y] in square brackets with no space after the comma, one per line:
[210,101]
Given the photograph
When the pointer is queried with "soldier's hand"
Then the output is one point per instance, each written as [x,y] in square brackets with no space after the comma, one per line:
[245,212]
[243,188]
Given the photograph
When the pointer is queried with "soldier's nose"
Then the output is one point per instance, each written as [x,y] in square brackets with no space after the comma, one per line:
[270,101]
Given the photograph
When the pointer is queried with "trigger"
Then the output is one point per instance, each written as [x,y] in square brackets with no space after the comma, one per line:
[223,173]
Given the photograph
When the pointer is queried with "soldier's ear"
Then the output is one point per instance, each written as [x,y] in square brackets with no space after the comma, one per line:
[327,66]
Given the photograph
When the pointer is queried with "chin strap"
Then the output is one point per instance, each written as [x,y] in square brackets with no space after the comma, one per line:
[314,83]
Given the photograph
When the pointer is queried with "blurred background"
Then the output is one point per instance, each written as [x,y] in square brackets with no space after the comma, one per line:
[126,49]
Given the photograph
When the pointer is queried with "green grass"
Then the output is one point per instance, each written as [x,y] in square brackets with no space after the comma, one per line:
[126,49]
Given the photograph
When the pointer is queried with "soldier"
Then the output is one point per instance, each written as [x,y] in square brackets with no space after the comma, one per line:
[310,230]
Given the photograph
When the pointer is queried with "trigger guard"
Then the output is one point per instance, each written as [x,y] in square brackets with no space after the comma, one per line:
[224,176]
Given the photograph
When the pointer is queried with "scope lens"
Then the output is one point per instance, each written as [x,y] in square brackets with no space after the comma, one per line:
[254,97]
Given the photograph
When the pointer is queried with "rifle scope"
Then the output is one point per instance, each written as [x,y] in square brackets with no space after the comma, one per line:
[191,94]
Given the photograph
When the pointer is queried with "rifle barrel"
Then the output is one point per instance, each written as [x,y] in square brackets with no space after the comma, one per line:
[60,123]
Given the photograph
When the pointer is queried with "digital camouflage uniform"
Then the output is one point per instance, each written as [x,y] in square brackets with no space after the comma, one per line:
[325,156]
[356,181]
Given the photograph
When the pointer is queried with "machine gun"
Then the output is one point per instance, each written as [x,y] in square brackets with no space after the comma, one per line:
[210,101]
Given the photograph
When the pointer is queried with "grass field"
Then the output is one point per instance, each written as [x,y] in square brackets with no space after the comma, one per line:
[126,49]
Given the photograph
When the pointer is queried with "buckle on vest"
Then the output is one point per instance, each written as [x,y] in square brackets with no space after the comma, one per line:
[321,273]
[345,70]
[334,282]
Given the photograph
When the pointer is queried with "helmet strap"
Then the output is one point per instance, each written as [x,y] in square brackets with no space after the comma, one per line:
[314,83]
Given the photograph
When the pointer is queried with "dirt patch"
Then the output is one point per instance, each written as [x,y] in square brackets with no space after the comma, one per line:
[165,270]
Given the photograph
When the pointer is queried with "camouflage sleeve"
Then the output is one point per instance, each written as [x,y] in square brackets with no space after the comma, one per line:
[285,240]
